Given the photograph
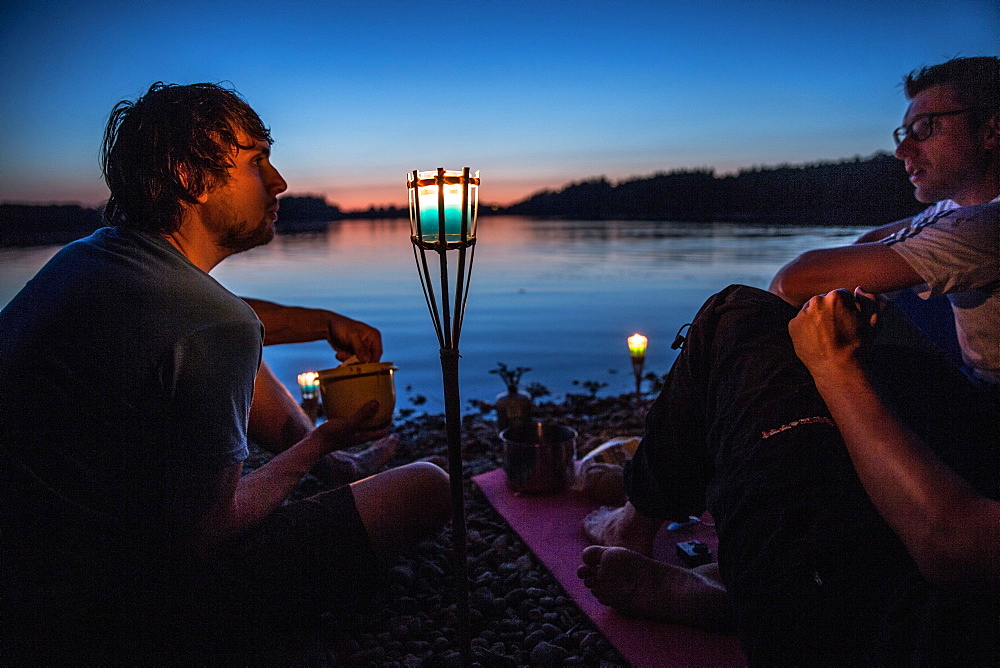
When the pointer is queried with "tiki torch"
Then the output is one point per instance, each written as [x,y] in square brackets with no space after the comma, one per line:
[444,206]
[637,351]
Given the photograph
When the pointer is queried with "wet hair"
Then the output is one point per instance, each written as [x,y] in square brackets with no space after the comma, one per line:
[975,83]
[171,145]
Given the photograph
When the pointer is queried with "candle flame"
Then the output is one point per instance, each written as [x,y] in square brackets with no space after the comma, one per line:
[637,345]
[309,384]
[448,193]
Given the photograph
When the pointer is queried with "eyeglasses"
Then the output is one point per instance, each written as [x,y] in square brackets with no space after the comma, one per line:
[922,127]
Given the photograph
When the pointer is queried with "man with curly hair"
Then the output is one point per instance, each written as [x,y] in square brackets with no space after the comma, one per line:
[129,532]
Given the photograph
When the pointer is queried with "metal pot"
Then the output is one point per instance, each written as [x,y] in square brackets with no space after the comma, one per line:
[539,457]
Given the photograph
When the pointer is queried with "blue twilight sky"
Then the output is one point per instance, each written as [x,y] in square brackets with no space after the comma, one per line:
[534,93]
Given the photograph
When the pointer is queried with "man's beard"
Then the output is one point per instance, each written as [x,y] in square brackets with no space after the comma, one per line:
[238,237]
[244,237]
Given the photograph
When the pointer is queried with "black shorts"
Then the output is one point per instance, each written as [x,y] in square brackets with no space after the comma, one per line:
[308,558]
[268,589]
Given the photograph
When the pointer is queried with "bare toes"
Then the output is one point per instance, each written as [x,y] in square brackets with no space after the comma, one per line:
[592,555]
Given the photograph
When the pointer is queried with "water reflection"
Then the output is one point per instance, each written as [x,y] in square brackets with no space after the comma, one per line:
[556,296]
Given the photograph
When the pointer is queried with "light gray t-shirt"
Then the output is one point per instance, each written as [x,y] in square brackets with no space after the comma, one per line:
[956,250]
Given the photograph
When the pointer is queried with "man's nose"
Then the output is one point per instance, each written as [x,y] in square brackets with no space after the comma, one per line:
[277,183]
[905,148]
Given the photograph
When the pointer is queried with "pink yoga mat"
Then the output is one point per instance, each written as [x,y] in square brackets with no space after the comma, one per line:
[550,525]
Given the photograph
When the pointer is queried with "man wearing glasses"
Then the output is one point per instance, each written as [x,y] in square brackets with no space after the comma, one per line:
[949,145]
[853,471]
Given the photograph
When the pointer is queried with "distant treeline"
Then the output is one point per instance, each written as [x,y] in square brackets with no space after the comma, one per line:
[855,192]
[861,191]
[44,224]
[37,225]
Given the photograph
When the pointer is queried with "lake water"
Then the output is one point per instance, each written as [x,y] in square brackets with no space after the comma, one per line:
[559,297]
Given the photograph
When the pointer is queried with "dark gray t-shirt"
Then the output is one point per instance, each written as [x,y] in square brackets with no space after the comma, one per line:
[123,369]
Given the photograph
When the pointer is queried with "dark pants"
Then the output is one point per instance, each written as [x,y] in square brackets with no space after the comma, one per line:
[813,572]
[253,602]
[269,588]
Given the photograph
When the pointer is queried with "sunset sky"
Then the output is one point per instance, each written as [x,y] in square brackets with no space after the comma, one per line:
[535,93]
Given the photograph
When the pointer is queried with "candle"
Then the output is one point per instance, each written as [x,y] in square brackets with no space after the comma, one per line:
[637,346]
[309,384]
[447,190]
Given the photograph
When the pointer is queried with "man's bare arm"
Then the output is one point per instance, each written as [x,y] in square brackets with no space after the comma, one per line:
[879,233]
[240,502]
[873,266]
[296,324]
[952,533]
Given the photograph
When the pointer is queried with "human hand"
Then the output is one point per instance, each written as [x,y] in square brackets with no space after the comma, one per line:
[339,433]
[353,338]
[868,305]
[830,329]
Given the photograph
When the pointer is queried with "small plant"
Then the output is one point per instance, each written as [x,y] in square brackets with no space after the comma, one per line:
[536,390]
[510,377]
[484,407]
[592,386]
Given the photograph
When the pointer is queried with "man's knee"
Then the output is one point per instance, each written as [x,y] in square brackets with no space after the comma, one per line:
[428,487]
[736,298]
[739,313]
[403,505]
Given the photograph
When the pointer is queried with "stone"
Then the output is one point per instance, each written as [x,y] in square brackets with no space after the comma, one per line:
[547,654]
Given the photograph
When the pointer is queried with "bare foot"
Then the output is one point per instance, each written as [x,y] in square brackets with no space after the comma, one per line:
[638,586]
[342,468]
[621,527]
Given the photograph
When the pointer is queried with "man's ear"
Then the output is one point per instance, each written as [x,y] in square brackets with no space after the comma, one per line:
[184,176]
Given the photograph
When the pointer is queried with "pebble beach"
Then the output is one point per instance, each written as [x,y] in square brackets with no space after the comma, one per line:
[519,614]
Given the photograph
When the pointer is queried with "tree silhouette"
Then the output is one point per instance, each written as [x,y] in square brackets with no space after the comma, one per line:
[854,192]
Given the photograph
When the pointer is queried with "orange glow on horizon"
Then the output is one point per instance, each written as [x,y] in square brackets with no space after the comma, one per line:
[361,197]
